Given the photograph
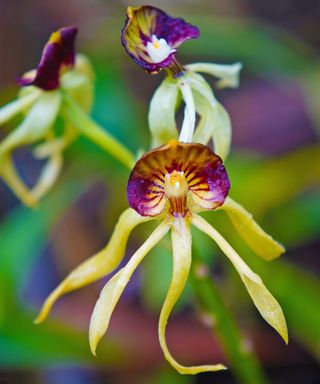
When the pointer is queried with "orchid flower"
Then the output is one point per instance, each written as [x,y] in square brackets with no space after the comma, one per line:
[151,38]
[173,184]
[60,87]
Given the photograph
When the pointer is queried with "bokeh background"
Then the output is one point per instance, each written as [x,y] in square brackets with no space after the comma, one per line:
[275,174]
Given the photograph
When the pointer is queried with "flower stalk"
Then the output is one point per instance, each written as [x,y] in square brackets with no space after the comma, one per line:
[243,361]
[93,131]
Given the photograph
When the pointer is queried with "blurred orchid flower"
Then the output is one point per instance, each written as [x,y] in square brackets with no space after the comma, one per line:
[151,37]
[173,183]
[60,87]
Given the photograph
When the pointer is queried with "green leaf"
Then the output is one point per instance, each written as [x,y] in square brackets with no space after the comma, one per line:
[31,228]
[24,344]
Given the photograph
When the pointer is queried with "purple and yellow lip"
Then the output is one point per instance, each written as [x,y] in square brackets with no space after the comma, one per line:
[192,168]
[151,37]
[58,55]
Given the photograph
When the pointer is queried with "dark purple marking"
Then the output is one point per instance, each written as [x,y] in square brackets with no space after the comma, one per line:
[55,56]
[174,30]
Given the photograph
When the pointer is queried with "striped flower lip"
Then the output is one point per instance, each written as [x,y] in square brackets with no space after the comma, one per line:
[58,54]
[177,175]
[151,37]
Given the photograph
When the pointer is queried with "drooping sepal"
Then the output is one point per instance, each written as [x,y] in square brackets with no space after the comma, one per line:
[97,266]
[193,170]
[151,37]
[162,110]
[257,239]
[228,75]
[181,249]
[266,304]
[58,54]
[214,123]
[113,289]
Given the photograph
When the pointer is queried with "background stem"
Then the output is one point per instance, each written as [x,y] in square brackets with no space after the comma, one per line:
[244,363]
[93,131]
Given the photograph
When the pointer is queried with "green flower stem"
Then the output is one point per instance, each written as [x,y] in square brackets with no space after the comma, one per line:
[92,130]
[245,365]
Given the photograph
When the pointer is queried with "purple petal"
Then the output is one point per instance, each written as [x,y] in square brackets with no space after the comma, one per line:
[145,21]
[57,54]
[174,31]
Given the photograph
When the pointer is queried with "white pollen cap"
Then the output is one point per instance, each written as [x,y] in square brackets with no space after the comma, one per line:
[158,49]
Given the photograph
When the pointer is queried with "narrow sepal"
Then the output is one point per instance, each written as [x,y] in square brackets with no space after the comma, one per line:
[161,117]
[215,122]
[10,110]
[113,289]
[98,265]
[36,124]
[228,75]
[11,177]
[257,239]
[181,247]
[266,304]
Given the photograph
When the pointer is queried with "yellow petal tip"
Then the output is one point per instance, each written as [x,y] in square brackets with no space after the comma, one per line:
[93,348]
[40,318]
[285,337]
[198,369]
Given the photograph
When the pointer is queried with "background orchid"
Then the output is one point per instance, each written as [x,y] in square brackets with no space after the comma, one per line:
[61,88]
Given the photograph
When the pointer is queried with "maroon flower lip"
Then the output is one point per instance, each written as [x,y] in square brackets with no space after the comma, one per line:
[145,23]
[201,170]
[58,54]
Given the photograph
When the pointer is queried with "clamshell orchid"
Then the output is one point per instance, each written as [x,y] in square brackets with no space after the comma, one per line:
[173,184]
[61,87]
[151,37]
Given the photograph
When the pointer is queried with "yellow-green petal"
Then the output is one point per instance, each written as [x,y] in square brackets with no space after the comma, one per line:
[262,243]
[56,144]
[98,265]
[36,124]
[11,177]
[79,82]
[112,291]
[181,246]
[215,122]
[266,304]
[189,119]
[48,177]
[11,109]
[228,75]
[162,110]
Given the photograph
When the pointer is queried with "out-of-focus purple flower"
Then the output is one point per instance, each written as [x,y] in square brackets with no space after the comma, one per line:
[58,55]
[151,37]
